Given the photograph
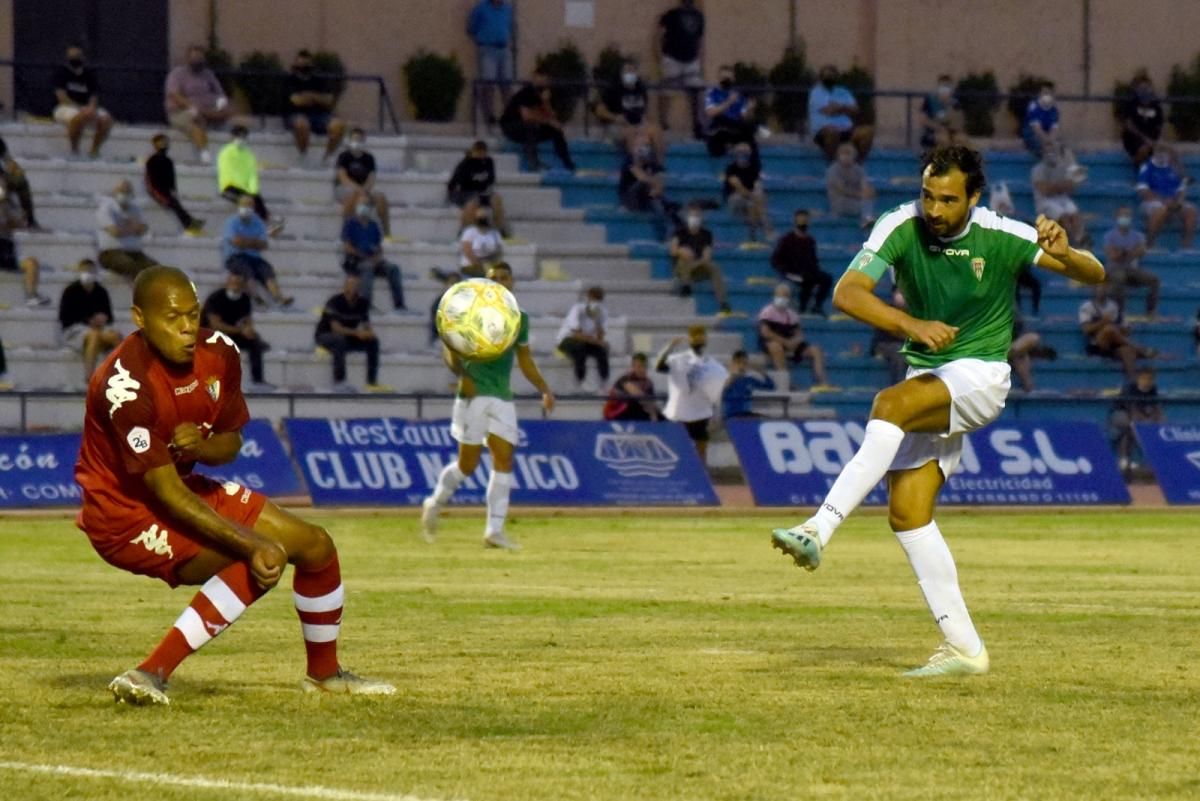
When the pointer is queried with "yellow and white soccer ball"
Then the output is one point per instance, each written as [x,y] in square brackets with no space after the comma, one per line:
[478,319]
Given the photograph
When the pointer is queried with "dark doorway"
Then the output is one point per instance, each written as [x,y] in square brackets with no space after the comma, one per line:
[121,38]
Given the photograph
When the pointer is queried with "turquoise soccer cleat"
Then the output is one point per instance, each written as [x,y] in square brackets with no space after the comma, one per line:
[801,543]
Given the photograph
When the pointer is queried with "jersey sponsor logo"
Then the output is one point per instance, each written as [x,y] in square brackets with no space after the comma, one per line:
[155,541]
[213,387]
[977,264]
[122,388]
[956,252]
[138,439]
[189,389]
[217,336]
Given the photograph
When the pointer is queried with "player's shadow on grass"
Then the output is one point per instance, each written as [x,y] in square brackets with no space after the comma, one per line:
[827,655]
[199,688]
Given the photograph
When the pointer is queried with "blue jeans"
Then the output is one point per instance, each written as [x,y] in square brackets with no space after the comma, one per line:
[495,64]
[367,272]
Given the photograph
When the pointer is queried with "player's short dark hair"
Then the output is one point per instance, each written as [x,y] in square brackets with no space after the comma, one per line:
[941,159]
[357,131]
[148,281]
[502,265]
[239,130]
[640,357]
[595,292]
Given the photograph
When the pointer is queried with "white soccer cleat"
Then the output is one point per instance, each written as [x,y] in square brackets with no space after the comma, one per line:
[139,688]
[498,539]
[429,519]
[346,683]
[949,661]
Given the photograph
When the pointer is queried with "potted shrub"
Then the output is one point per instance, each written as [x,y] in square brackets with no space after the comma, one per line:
[435,84]
[791,107]
[751,81]
[862,86]
[1022,93]
[1184,116]
[329,66]
[978,96]
[264,89]
[567,72]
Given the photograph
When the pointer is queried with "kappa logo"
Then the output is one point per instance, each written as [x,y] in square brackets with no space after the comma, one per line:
[213,387]
[217,336]
[631,454]
[122,388]
[155,541]
[977,264]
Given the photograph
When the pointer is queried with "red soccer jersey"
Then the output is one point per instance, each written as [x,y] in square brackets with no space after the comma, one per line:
[135,400]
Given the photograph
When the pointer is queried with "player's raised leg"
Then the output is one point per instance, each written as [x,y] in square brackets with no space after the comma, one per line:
[912,499]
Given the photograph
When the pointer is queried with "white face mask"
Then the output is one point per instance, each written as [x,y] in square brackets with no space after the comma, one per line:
[244,212]
[233,294]
[1160,161]
[780,302]
[363,210]
[629,79]
[123,199]
[356,145]
[1124,222]
[240,141]
[593,307]
[1046,100]
[693,223]
[944,90]
[88,279]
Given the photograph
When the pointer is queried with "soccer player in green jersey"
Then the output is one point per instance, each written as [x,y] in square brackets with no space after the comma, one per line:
[956,263]
[484,411]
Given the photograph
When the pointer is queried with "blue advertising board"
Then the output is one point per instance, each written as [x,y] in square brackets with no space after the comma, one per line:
[794,463]
[262,465]
[396,462]
[1173,452]
[38,470]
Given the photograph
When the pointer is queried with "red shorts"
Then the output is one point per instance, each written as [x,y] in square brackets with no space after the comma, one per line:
[157,548]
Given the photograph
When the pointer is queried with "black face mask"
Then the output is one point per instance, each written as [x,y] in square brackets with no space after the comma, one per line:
[75,63]
[802,227]
[726,83]
[698,349]
[482,223]
[827,82]
[304,71]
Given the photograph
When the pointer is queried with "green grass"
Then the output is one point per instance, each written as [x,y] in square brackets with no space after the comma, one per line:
[633,657]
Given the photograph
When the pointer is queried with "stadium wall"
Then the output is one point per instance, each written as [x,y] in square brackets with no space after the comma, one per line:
[905,42]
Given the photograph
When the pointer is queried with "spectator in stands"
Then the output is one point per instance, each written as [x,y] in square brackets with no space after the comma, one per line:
[5,384]
[737,400]
[848,188]
[745,194]
[77,99]
[1027,279]
[480,245]
[160,185]
[641,188]
[237,176]
[473,184]
[886,346]
[582,335]
[362,243]
[243,240]
[15,183]
[1124,247]
[624,105]
[345,325]
[691,251]
[119,232]
[833,117]
[10,220]
[782,339]
[310,101]
[730,116]
[795,260]
[1106,333]
[1026,346]
[1138,404]
[680,36]
[354,181]
[1055,179]
[490,26]
[1162,188]
[195,101]
[1141,117]
[941,117]
[447,280]
[529,119]
[85,317]
[632,396]
[690,399]
[1040,126]
[230,311]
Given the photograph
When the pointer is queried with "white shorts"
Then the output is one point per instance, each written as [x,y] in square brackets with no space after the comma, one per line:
[978,390]
[1057,206]
[64,114]
[473,420]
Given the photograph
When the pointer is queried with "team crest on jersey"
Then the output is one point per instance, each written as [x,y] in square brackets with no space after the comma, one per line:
[122,388]
[213,387]
[977,265]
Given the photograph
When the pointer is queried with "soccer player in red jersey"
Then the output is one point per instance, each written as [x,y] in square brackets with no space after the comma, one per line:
[167,398]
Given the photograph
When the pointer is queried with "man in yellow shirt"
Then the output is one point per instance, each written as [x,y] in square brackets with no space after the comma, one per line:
[237,175]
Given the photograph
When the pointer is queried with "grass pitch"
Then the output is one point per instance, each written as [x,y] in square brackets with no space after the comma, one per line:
[630,657]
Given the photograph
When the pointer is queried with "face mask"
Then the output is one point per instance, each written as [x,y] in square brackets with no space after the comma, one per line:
[304,70]
[629,79]
[88,279]
[727,83]
[123,199]
[363,210]
[1046,101]
[593,307]
[742,158]
[196,66]
[163,148]
[693,223]
[1160,161]
[1124,222]
[481,222]
[802,227]
[356,145]
[233,294]
[780,303]
[644,153]
[827,81]
[240,141]
[75,63]
[944,90]
[244,212]
[698,348]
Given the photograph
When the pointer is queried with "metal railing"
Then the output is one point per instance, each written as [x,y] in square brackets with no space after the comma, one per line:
[385,112]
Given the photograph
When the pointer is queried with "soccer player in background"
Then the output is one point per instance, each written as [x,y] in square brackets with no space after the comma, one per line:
[484,411]
[169,397]
[956,263]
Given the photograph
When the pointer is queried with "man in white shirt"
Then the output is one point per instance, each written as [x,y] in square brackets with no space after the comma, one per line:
[583,334]
[480,246]
[694,385]
[119,232]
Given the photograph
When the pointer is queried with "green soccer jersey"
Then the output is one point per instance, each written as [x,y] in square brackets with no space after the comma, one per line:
[967,281]
[493,378]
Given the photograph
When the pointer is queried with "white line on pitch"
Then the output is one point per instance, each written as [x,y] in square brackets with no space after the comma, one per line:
[173,780]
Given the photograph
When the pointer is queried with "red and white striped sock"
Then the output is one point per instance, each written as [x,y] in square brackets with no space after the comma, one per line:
[220,602]
[319,597]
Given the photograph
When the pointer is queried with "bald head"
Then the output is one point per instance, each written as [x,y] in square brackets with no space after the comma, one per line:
[167,311]
[152,285]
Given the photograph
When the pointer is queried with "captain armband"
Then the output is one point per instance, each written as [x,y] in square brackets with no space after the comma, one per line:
[870,264]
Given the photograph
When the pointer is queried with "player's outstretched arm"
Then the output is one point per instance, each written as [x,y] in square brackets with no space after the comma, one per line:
[1058,255]
[533,375]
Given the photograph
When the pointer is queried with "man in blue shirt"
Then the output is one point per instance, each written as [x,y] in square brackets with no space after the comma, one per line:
[832,111]
[1040,127]
[738,397]
[243,240]
[730,116]
[1163,192]
[490,27]
[362,241]
[1124,247]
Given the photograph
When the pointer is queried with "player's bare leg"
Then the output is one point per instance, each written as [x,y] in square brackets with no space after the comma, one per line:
[920,404]
[912,498]
[499,489]
[448,480]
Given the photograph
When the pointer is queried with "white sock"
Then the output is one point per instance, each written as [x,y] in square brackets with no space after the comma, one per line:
[498,489]
[938,578]
[859,476]
[448,482]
